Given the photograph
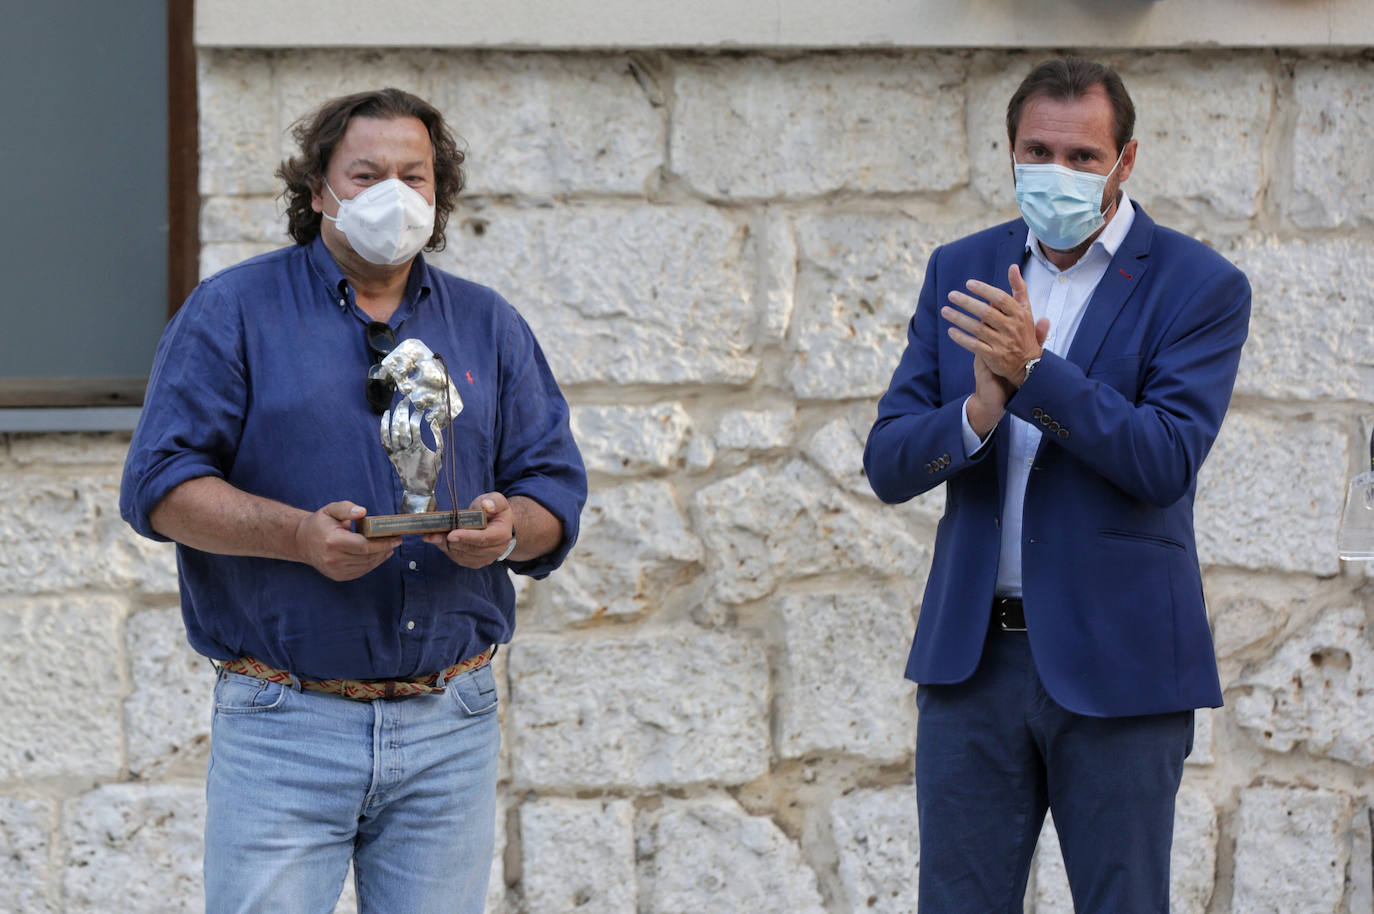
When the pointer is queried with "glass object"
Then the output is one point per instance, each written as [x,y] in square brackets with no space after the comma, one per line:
[1356,540]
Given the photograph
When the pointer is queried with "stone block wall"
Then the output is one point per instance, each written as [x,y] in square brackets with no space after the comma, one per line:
[705,711]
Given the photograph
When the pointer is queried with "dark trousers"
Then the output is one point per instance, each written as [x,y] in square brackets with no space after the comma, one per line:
[994,752]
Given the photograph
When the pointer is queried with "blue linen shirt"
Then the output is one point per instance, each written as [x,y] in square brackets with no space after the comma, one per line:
[259,379]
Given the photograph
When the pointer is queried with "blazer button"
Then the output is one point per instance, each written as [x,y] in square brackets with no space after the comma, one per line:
[1037,413]
[930,468]
[1063,433]
[1054,426]
[1045,420]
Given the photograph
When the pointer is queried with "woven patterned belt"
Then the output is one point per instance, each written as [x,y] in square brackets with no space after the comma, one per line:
[361,689]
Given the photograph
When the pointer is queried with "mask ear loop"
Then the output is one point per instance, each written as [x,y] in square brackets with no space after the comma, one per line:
[450,462]
[336,200]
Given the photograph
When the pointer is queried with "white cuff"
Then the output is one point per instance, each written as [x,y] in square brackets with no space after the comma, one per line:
[972,444]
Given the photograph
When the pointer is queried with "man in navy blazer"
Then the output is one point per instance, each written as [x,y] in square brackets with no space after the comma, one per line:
[1065,376]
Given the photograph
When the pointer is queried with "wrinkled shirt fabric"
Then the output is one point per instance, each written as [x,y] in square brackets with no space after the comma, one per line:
[259,379]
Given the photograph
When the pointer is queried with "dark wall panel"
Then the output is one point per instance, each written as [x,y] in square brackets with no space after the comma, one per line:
[83,202]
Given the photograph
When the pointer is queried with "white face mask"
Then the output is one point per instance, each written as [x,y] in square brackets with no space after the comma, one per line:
[387,224]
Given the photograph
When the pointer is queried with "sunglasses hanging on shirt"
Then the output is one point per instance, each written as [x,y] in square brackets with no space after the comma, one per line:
[381,339]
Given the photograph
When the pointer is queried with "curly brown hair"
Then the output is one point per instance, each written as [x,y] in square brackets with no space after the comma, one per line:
[318,133]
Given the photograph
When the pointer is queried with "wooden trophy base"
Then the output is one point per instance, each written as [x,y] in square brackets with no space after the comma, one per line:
[424,522]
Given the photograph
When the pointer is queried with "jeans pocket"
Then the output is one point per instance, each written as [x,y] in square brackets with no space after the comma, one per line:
[475,691]
[239,694]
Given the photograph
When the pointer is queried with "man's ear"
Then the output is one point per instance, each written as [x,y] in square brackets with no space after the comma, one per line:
[1127,160]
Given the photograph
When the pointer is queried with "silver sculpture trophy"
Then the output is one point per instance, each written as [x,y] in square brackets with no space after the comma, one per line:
[427,397]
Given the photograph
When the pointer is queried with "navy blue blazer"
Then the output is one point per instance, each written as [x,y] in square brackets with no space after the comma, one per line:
[1112,588]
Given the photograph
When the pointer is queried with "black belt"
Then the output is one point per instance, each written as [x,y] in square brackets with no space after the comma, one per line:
[1007,615]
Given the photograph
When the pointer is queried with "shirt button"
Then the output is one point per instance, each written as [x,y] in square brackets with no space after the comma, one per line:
[413,566]
[1030,461]
[410,626]
[1063,278]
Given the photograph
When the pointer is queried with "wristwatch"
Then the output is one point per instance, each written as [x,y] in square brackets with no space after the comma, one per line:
[1030,366]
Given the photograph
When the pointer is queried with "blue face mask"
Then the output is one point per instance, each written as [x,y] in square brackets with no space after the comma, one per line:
[1062,206]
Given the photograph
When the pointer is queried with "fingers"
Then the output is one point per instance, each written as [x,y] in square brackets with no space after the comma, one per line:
[341,538]
[997,299]
[330,546]
[996,325]
[471,548]
[499,525]
[491,502]
[344,510]
[968,341]
[999,313]
[372,551]
[993,299]
[1018,285]
[478,548]
[969,323]
[344,567]
[470,541]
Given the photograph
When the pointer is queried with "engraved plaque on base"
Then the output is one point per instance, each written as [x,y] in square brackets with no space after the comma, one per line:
[424,522]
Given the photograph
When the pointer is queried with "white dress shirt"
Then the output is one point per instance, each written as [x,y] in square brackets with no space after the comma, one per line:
[1062,296]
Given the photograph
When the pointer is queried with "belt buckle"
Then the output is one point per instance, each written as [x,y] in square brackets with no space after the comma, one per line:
[1002,604]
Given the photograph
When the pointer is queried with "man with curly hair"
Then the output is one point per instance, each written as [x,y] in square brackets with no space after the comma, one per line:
[354,714]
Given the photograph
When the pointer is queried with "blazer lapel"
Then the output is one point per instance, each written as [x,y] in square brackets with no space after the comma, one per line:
[1124,275]
[1011,250]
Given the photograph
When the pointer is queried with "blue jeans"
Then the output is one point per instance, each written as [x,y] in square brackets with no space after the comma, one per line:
[993,752]
[300,783]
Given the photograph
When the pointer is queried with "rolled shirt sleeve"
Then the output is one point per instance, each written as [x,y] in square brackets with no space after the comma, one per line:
[193,411]
[536,454]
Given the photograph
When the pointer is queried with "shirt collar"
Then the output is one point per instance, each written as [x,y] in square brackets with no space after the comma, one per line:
[1107,242]
[418,283]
